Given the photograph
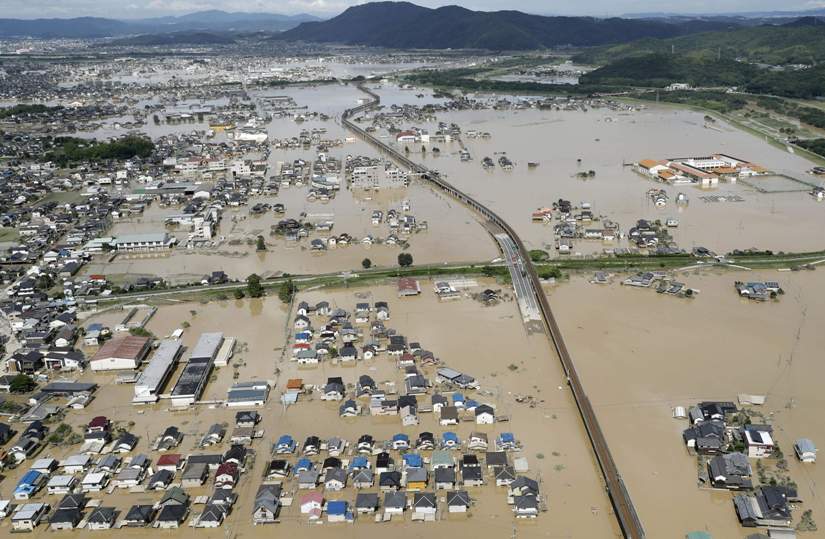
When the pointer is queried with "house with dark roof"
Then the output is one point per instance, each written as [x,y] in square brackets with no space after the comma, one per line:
[65,519]
[395,503]
[706,438]
[267,504]
[458,501]
[171,516]
[212,516]
[101,518]
[525,506]
[390,480]
[139,516]
[366,502]
[731,471]
[768,506]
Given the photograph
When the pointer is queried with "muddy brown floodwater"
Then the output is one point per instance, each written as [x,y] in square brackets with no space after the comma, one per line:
[489,343]
[640,353]
[453,235]
[605,140]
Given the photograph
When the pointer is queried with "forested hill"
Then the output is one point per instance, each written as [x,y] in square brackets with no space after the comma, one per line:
[404,25]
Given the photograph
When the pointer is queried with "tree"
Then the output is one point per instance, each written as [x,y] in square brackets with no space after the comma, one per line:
[238,294]
[405,260]
[141,332]
[253,286]
[22,384]
[366,263]
[550,273]
[287,291]
[44,281]
[261,244]
[538,255]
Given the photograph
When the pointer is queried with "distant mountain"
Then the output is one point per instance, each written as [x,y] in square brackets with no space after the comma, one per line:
[406,25]
[237,21]
[659,70]
[95,27]
[737,14]
[218,16]
[805,21]
[801,42]
[175,38]
[80,27]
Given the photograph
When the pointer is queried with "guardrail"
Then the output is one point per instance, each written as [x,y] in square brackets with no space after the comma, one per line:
[624,510]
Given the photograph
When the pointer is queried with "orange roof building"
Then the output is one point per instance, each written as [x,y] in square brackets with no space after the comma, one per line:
[121,353]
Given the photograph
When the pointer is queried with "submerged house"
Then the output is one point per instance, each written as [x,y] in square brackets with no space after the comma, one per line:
[768,506]
[706,437]
[731,471]
[267,504]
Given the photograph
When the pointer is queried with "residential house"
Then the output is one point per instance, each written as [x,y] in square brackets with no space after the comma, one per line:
[805,450]
[731,471]
[363,478]
[101,518]
[525,506]
[458,501]
[226,476]
[424,506]
[312,504]
[390,480]
[194,475]
[139,516]
[267,504]
[338,511]
[445,478]
[395,503]
[767,506]
[366,502]
[28,485]
[26,517]
[758,440]
[307,479]
[335,479]
[171,516]
[94,482]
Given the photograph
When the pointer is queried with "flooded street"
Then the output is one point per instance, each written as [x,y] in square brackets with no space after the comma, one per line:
[639,354]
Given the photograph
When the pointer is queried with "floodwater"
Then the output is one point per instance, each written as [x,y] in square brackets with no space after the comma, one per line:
[489,343]
[640,353]
[453,236]
[605,140]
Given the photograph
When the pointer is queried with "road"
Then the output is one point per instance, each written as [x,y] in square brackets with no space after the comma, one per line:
[623,508]
[522,284]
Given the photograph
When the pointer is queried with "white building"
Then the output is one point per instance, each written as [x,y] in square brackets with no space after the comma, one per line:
[157,372]
[144,242]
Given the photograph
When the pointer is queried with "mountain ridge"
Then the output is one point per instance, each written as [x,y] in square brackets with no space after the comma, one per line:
[407,25]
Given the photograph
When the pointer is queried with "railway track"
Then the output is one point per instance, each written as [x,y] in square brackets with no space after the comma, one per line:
[623,508]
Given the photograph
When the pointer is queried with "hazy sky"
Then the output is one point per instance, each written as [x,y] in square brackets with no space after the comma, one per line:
[147,8]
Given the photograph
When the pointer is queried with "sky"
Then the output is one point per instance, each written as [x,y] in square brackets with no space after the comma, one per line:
[129,9]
